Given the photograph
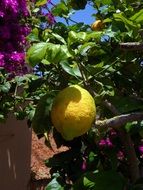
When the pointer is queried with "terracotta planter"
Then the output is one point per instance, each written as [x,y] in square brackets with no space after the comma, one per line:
[15,155]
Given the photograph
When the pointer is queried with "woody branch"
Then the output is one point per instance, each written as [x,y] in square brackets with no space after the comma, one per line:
[119,120]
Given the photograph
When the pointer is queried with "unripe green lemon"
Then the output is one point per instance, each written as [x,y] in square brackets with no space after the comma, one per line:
[73,112]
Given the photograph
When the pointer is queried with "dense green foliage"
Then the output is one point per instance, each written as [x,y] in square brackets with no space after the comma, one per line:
[108,63]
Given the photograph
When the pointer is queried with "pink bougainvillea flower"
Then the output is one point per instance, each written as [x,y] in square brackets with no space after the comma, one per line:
[105,143]
[140,149]
[120,155]
[84,165]
[2,63]
[51,18]
[13,36]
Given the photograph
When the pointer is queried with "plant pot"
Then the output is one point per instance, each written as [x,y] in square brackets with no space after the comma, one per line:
[15,154]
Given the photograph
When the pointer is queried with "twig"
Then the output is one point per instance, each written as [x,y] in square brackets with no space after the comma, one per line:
[131,46]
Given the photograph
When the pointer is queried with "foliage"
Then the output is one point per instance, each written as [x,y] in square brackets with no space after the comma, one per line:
[108,63]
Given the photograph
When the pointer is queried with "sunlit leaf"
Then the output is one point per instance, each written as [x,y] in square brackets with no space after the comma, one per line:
[54,185]
[137,17]
[60,38]
[70,69]
[76,37]
[56,52]
[36,53]
[40,2]
[128,23]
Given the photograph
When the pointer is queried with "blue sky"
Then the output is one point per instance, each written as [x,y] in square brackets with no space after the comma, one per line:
[81,15]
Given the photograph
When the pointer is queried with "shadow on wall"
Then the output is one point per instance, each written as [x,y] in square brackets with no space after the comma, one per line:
[15,155]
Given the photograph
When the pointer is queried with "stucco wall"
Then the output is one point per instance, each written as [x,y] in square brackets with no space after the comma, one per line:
[15,155]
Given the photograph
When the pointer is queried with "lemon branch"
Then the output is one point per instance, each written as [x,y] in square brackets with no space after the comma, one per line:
[118,121]
[131,46]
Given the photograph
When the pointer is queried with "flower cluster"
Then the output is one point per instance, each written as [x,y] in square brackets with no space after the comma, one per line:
[13,30]
[45,11]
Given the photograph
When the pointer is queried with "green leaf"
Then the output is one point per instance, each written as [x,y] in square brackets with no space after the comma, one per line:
[2,118]
[60,38]
[36,53]
[45,62]
[141,129]
[33,36]
[40,2]
[83,49]
[109,180]
[107,2]
[137,187]
[54,185]
[61,9]
[77,5]
[61,159]
[56,53]
[94,35]
[5,87]
[41,122]
[109,90]
[71,69]
[127,104]
[128,23]
[74,37]
[138,17]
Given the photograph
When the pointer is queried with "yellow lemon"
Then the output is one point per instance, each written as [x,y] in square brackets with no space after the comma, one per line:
[73,112]
[97,25]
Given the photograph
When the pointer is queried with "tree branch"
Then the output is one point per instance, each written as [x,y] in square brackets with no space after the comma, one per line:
[118,121]
[133,164]
[131,46]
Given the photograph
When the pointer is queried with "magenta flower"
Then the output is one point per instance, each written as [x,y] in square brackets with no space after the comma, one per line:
[112,134]
[2,63]
[109,143]
[84,165]
[120,155]
[140,149]
[1,14]
[105,143]
[13,36]
[102,143]
[17,57]
[5,32]
[51,18]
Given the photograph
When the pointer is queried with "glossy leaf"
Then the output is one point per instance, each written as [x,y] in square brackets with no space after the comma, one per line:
[71,69]
[109,180]
[74,37]
[128,23]
[40,2]
[36,53]
[54,185]
[41,121]
[56,52]
[138,17]
[5,87]
[58,37]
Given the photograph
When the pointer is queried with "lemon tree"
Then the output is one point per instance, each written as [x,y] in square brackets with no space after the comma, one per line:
[72,59]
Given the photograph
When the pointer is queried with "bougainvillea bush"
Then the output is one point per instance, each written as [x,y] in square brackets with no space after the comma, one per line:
[16,22]
[13,31]
[106,59]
